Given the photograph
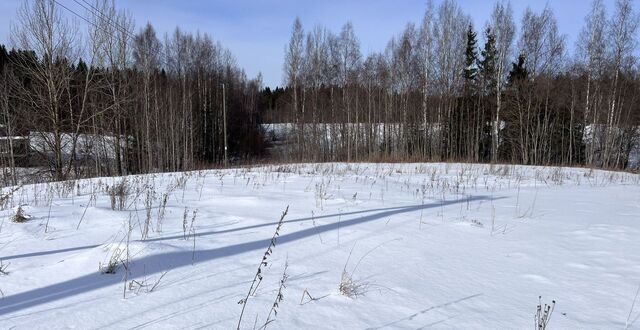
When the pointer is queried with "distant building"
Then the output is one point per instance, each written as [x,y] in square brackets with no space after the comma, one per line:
[19,144]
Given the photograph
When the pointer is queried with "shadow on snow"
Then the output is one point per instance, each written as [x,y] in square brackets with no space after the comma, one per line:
[153,264]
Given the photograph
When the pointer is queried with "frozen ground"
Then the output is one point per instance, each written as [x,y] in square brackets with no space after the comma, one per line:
[441,246]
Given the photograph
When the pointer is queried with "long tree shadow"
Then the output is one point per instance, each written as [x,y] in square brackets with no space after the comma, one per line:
[158,263]
[44,253]
[202,234]
[231,230]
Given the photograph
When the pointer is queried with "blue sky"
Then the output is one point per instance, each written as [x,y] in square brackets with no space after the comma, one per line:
[257,30]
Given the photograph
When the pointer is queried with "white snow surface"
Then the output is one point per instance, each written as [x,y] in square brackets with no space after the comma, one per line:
[442,246]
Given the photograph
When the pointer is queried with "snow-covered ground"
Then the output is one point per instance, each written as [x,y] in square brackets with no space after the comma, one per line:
[443,246]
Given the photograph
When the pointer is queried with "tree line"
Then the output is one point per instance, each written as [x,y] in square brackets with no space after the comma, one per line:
[115,100]
[111,101]
[444,91]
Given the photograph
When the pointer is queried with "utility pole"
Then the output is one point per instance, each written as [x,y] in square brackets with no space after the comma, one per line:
[224,125]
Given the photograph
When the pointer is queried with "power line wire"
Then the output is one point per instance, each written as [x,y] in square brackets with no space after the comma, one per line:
[73,12]
[104,16]
[127,33]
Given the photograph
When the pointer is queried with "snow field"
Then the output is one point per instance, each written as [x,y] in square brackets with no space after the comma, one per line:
[449,246]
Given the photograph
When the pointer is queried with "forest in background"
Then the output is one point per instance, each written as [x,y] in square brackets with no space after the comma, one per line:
[444,90]
[116,100]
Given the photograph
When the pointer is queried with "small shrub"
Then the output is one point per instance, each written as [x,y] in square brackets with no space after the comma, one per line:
[118,195]
[112,265]
[20,216]
[348,285]
[351,288]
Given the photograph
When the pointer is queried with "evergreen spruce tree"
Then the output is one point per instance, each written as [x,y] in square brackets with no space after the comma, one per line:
[489,61]
[471,55]
[518,71]
[489,81]
[4,57]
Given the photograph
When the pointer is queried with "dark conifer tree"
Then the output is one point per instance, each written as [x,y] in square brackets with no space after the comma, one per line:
[489,61]
[518,71]
[471,55]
